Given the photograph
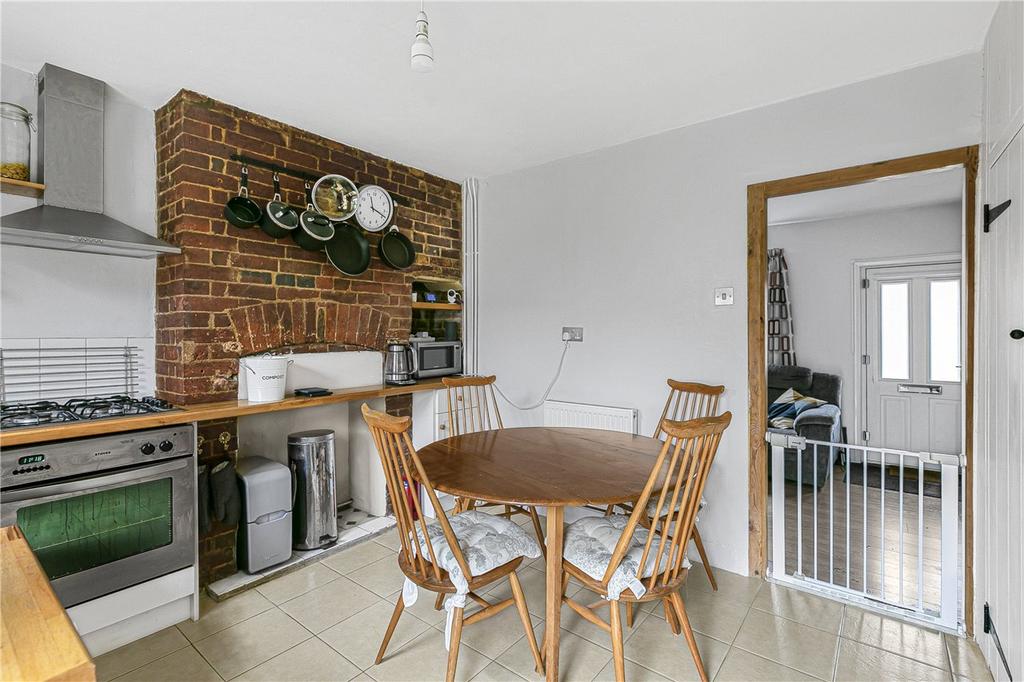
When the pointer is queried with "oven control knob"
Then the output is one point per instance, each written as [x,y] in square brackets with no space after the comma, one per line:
[148,448]
[166,446]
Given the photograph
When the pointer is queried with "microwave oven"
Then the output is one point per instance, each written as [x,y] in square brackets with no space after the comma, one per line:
[436,358]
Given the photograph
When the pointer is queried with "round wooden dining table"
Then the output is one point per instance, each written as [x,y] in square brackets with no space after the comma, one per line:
[544,467]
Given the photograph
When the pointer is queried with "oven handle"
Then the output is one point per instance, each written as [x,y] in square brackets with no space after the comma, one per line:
[96,482]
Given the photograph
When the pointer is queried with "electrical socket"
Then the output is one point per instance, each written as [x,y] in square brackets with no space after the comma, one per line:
[575,333]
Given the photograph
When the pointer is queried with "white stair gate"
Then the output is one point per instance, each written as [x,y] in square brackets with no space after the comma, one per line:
[885,545]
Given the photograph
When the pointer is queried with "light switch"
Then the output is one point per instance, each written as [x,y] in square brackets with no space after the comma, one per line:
[723,296]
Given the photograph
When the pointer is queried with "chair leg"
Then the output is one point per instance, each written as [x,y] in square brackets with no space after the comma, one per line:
[453,646]
[670,616]
[617,654]
[704,558]
[609,510]
[439,602]
[524,615]
[677,601]
[629,614]
[395,615]
[538,530]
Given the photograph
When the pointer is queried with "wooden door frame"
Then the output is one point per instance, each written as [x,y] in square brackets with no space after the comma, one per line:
[757,266]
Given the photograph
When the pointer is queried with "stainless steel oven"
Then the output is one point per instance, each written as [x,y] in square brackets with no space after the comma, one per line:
[104,513]
[437,358]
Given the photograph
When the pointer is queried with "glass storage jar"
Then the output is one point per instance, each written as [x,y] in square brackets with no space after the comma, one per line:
[15,141]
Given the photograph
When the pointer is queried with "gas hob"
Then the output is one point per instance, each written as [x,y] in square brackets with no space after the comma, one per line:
[46,412]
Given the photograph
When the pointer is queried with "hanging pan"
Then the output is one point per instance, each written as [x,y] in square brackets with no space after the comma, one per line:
[348,251]
[241,211]
[279,219]
[314,230]
[396,250]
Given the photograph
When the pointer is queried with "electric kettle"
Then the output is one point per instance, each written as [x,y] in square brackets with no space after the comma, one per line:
[399,363]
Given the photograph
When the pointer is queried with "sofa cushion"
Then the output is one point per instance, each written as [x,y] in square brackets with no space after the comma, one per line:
[781,377]
[788,406]
[589,544]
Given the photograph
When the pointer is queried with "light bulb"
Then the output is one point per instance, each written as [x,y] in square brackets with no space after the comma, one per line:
[422,54]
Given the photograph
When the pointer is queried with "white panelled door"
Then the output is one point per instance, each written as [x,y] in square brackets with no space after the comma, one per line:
[913,364]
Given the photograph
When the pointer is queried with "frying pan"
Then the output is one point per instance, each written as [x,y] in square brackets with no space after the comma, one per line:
[241,211]
[279,219]
[348,250]
[396,250]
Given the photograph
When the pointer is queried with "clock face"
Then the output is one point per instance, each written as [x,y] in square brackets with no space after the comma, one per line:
[375,208]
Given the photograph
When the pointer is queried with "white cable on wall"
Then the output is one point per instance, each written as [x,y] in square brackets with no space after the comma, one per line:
[547,392]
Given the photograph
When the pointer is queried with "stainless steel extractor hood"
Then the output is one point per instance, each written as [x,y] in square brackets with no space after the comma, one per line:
[70,142]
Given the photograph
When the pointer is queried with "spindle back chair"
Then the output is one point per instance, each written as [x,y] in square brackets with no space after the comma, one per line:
[676,484]
[402,465]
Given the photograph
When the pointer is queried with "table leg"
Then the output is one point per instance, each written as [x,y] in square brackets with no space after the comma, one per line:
[555,520]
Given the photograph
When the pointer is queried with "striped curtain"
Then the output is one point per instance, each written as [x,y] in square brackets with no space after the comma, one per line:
[781,349]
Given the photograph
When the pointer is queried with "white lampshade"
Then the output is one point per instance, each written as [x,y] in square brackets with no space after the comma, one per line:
[422,53]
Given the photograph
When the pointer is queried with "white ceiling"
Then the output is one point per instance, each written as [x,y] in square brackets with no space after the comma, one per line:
[889,194]
[516,83]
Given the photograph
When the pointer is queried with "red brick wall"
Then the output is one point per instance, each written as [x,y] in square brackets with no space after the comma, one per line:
[233,291]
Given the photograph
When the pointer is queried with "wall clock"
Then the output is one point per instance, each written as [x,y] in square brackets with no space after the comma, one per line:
[374,208]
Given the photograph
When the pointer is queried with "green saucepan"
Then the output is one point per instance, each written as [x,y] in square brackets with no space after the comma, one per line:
[279,219]
[348,251]
[396,250]
[241,211]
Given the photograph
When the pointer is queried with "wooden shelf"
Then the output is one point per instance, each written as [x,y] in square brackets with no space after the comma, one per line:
[436,306]
[21,187]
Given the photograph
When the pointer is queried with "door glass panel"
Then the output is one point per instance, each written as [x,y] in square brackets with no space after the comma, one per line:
[78,533]
[895,324]
[944,330]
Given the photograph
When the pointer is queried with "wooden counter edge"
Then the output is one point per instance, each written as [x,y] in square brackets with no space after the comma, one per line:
[51,648]
[204,412]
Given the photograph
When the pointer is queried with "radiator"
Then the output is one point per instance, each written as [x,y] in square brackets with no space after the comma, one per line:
[580,415]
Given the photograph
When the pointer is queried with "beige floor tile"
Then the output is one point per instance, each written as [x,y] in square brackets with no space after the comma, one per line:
[423,608]
[389,539]
[967,658]
[809,609]
[137,654]
[634,673]
[535,589]
[655,647]
[247,644]
[311,660]
[578,659]
[578,625]
[358,637]
[214,616]
[711,613]
[362,677]
[183,664]
[794,645]
[425,659]
[896,636]
[382,577]
[743,666]
[737,587]
[291,585]
[493,636]
[322,607]
[496,673]
[360,555]
[862,663]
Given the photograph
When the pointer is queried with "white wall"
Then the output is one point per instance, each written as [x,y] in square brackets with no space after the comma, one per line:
[47,293]
[630,241]
[821,254]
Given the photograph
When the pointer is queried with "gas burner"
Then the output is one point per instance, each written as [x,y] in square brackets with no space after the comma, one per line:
[49,412]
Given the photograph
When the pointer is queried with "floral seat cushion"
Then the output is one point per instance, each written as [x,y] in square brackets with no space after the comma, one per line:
[589,544]
[652,506]
[487,541]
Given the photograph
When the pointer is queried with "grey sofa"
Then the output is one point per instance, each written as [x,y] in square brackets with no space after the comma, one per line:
[822,423]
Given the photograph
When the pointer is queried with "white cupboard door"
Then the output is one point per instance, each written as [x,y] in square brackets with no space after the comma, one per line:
[913,338]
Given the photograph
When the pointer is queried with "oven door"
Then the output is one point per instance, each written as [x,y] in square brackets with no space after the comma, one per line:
[106,532]
[438,359]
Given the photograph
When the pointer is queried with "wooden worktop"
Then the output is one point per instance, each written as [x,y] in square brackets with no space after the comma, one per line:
[202,412]
[38,641]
